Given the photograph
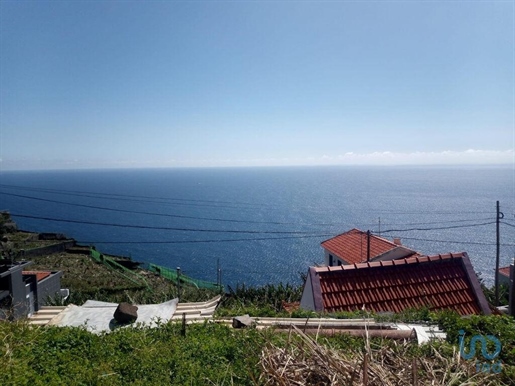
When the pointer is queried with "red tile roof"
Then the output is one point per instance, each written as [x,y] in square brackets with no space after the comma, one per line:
[40,275]
[505,271]
[351,246]
[437,282]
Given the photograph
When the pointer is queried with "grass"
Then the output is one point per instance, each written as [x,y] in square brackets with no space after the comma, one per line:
[208,354]
[214,354]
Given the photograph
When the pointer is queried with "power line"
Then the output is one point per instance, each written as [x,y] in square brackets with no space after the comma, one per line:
[424,223]
[197,202]
[204,241]
[457,242]
[507,223]
[151,213]
[283,238]
[210,218]
[428,212]
[279,238]
[437,228]
[116,197]
[157,228]
[225,231]
[82,193]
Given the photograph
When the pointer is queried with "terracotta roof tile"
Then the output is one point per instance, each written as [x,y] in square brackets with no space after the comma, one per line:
[40,275]
[351,246]
[438,282]
[505,271]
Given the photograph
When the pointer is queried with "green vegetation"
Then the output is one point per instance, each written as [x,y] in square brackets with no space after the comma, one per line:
[502,327]
[214,354]
[208,354]
[259,301]
[504,294]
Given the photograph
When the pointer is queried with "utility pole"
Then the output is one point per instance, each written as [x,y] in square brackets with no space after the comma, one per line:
[179,283]
[379,227]
[218,274]
[499,216]
[511,307]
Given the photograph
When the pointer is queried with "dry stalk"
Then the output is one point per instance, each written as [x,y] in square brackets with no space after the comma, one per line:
[305,362]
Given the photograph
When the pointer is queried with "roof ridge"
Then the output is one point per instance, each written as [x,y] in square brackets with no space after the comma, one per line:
[388,263]
[341,234]
[354,230]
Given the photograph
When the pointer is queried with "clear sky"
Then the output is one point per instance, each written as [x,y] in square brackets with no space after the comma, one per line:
[234,83]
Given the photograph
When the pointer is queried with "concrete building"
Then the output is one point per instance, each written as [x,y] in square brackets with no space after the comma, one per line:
[24,292]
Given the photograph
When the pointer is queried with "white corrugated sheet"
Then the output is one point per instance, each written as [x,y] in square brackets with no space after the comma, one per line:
[98,316]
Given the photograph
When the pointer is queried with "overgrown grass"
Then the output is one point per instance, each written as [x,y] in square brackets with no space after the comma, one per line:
[27,240]
[259,301]
[209,354]
[340,360]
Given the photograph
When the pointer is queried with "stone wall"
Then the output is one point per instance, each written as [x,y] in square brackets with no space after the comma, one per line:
[49,249]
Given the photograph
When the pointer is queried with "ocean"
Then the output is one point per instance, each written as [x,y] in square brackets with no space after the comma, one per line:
[265,225]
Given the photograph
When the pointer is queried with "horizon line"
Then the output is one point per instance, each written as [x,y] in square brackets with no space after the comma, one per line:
[414,165]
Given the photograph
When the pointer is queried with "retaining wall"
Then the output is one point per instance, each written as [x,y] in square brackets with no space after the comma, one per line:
[49,249]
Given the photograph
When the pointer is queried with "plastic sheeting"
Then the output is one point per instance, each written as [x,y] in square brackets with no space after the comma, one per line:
[98,316]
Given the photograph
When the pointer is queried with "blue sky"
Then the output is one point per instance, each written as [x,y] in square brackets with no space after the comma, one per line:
[250,83]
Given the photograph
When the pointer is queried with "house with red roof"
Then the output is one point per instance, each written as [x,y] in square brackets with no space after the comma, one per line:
[356,246]
[437,282]
[503,275]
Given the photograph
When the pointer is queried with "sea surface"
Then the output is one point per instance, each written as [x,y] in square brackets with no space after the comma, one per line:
[265,225]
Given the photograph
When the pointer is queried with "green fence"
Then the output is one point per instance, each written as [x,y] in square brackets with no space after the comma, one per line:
[120,269]
[174,277]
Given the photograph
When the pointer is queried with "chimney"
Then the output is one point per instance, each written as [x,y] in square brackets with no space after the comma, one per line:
[397,241]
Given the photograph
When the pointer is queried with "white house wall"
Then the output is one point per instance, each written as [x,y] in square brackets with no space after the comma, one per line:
[307,302]
[335,259]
